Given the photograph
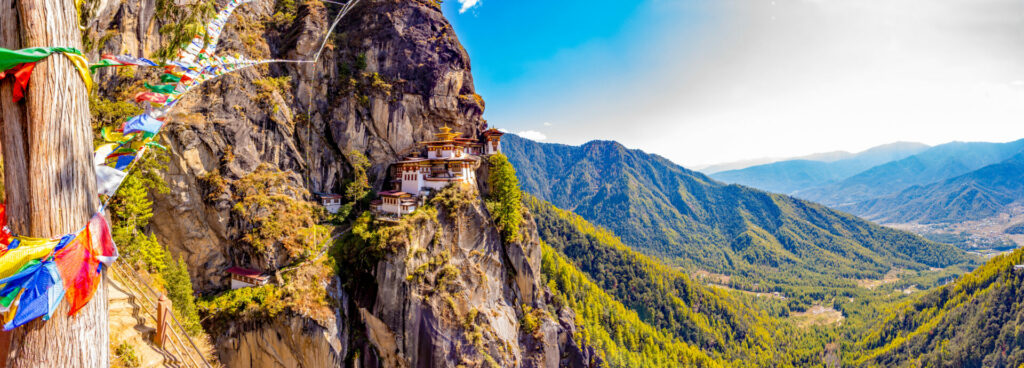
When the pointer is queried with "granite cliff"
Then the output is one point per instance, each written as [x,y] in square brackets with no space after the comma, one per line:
[252,146]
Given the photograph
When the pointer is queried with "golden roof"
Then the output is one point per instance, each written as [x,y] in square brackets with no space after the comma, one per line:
[446,134]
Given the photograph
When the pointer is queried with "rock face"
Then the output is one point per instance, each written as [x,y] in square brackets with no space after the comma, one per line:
[454,293]
[292,341]
[392,74]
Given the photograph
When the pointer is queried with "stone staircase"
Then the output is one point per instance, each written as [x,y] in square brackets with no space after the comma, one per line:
[131,324]
[132,319]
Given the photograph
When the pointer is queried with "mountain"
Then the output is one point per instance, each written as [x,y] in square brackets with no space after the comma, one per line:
[799,174]
[1017,229]
[976,321]
[743,164]
[973,196]
[615,290]
[244,153]
[933,165]
[762,239]
[735,165]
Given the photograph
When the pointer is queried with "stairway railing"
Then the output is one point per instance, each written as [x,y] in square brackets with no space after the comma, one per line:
[150,299]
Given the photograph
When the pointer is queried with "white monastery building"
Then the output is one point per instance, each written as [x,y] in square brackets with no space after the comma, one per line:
[245,277]
[449,159]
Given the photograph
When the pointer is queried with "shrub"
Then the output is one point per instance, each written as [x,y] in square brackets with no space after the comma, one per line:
[125,356]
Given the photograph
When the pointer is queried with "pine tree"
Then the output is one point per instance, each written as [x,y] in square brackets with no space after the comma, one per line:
[180,292]
[132,205]
[49,180]
[359,187]
[506,206]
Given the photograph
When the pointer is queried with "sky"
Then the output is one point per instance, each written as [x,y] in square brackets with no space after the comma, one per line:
[711,81]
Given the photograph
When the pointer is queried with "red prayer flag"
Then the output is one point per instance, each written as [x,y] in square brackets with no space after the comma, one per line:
[21,74]
[5,233]
[102,243]
[79,270]
[157,98]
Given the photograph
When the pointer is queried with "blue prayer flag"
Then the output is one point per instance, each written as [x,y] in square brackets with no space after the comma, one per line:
[124,161]
[143,123]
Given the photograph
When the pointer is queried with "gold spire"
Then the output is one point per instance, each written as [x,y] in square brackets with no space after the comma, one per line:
[446,134]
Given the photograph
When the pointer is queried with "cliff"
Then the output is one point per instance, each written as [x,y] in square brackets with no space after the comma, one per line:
[246,151]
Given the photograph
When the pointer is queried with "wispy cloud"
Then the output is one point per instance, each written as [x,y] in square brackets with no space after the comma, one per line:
[533,135]
[547,124]
[467,4]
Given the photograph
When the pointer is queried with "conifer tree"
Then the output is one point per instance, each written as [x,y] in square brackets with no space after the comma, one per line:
[505,196]
[179,291]
[359,187]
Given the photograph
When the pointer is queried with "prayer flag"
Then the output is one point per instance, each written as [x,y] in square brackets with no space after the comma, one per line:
[143,123]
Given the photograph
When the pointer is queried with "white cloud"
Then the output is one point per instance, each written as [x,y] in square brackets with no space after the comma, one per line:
[547,124]
[503,130]
[533,135]
[467,4]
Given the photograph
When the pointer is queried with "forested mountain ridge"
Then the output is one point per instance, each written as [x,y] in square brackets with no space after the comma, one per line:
[589,268]
[661,208]
[933,165]
[794,175]
[973,196]
[974,322]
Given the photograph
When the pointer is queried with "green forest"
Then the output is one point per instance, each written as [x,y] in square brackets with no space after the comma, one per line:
[976,321]
[620,296]
[755,311]
[765,242]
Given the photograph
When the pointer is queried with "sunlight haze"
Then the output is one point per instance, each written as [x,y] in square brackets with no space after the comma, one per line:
[705,82]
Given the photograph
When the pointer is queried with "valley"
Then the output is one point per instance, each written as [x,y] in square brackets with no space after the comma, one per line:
[985,236]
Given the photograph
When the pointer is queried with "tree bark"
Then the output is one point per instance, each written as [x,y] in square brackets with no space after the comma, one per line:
[50,184]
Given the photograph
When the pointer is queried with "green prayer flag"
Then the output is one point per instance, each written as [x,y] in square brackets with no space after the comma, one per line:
[170,78]
[161,88]
[103,64]
[11,58]
[157,145]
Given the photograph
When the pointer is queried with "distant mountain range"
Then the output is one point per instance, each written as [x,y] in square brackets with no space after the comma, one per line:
[902,182]
[795,175]
[973,196]
[933,165]
[662,208]
[743,164]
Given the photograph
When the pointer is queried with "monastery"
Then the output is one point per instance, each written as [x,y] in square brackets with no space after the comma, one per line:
[448,159]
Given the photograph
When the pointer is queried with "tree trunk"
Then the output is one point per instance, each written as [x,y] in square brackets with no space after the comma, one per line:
[50,184]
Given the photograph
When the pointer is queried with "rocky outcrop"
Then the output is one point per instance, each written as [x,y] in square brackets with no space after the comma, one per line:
[392,74]
[291,341]
[453,293]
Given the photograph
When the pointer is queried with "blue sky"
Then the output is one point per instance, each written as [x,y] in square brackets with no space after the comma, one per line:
[539,54]
[703,82]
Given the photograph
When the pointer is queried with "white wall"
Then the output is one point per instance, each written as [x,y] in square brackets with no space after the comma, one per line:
[332,207]
[390,208]
[412,186]
[235,284]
